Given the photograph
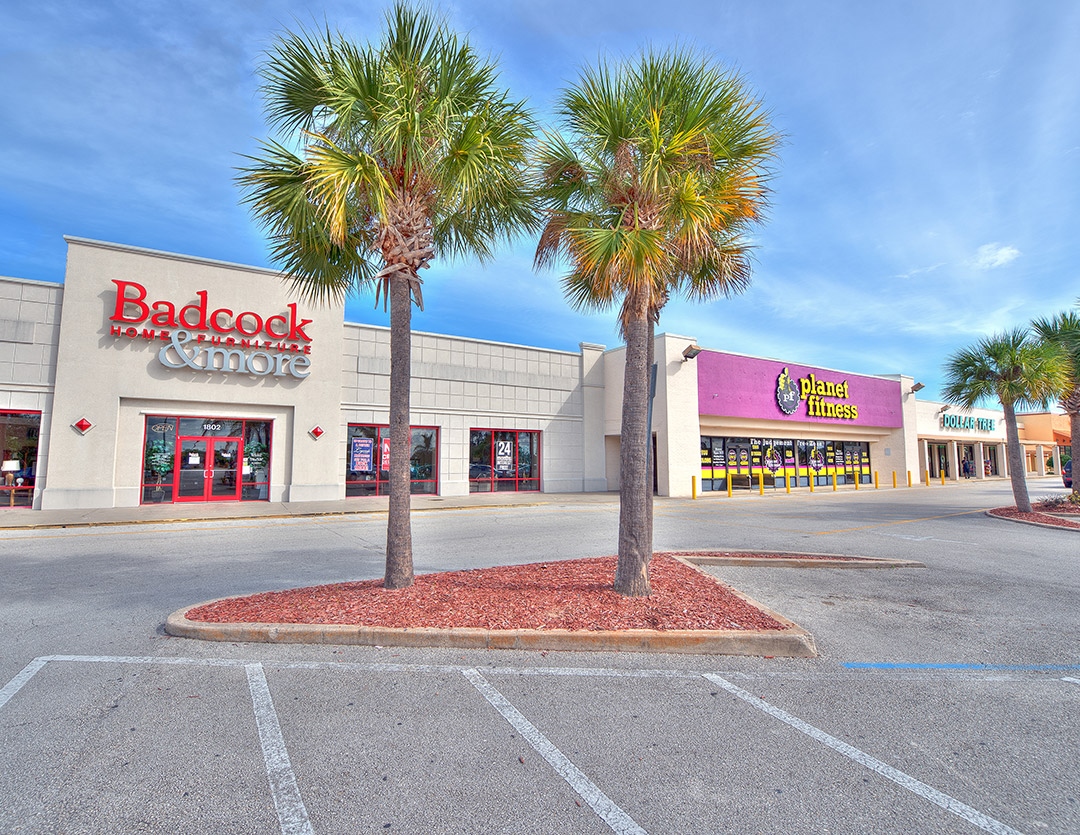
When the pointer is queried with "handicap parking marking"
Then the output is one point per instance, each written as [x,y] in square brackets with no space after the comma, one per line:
[948,666]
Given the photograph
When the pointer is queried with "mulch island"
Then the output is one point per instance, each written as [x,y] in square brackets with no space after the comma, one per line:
[1041,513]
[568,595]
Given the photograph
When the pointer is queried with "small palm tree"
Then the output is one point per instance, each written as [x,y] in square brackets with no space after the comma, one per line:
[649,194]
[408,151]
[1063,330]
[1016,370]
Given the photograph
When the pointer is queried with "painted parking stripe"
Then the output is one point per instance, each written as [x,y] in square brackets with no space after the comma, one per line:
[875,665]
[949,804]
[620,822]
[24,675]
[1070,679]
[291,812]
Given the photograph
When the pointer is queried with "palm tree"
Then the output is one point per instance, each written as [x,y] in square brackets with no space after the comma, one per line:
[650,194]
[408,151]
[1063,330]
[1016,370]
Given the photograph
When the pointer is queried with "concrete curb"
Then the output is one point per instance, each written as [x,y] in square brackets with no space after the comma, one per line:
[1034,524]
[791,642]
[795,560]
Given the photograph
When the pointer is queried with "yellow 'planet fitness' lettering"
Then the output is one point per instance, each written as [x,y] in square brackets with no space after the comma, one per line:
[812,390]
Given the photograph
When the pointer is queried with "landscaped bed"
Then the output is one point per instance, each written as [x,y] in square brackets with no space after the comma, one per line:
[566,595]
[1041,513]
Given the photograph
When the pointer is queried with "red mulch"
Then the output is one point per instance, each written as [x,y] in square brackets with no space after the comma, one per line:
[575,595]
[1057,507]
[1035,516]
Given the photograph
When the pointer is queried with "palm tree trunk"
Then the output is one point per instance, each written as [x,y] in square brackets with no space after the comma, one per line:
[1074,440]
[399,561]
[650,462]
[1016,460]
[635,494]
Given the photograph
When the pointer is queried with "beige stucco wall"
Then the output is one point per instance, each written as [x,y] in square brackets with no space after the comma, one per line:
[115,381]
[675,417]
[29,330]
[461,384]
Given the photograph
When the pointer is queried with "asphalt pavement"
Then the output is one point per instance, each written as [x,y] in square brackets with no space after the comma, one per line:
[945,698]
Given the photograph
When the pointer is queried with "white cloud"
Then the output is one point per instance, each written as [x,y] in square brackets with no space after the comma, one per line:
[994,255]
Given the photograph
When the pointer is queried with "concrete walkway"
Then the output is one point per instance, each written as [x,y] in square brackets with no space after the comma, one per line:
[25,518]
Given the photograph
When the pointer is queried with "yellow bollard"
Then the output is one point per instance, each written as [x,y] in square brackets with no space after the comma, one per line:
[875,479]
[858,478]
[894,479]
[761,483]
[927,478]
[693,487]
[787,484]
[942,478]
[909,478]
[729,485]
[834,482]
[811,480]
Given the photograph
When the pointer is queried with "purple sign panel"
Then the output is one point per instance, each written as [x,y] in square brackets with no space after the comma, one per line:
[730,385]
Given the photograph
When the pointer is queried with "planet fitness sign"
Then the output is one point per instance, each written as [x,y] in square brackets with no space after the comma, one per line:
[214,341]
[755,388]
[789,393]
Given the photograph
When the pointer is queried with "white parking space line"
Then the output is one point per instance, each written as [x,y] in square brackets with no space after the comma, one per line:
[949,804]
[24,675]
[1064,678]
[605,807]
[291,812]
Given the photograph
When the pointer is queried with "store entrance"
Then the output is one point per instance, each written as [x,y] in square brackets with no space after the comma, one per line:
[209,469]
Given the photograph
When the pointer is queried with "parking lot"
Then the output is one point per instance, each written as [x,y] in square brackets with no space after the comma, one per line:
[945,699]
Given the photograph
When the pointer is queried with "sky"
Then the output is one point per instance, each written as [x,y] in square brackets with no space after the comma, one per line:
[927,192]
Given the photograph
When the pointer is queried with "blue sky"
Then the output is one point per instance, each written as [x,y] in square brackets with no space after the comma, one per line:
[928,191]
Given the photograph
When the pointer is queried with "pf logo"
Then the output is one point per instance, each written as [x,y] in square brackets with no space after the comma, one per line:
[787,393]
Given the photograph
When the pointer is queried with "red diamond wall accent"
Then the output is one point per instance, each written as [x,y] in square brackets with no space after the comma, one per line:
[83,425]
[316,432]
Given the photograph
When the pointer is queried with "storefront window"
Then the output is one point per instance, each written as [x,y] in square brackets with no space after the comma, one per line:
[750,463]
[367,460]
[19,432]
[504,460]
[205,459]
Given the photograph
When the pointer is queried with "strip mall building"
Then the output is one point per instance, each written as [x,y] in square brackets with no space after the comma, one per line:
[151,377]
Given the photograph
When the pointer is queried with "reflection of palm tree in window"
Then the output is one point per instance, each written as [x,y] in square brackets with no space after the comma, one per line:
[423,454]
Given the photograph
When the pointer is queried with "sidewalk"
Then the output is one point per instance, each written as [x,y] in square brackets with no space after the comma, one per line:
[25,518]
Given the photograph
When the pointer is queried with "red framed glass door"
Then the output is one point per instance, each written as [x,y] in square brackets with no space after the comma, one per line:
[208,469]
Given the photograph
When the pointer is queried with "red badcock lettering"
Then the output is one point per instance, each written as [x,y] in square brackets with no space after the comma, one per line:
[132,308]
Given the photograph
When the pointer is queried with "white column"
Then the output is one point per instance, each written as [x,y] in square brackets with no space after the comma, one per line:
[954,460]
[980,462]
[1040,460]
[924,460]
[1003,458]
[1056,453]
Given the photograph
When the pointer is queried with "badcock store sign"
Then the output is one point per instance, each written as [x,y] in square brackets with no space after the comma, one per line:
[214,340]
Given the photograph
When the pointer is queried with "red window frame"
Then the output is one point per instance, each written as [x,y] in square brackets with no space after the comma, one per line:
[425,477]
[484,476]
[167,492]
[13,494]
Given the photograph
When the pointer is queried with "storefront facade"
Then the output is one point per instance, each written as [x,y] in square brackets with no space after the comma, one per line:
[151,377]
